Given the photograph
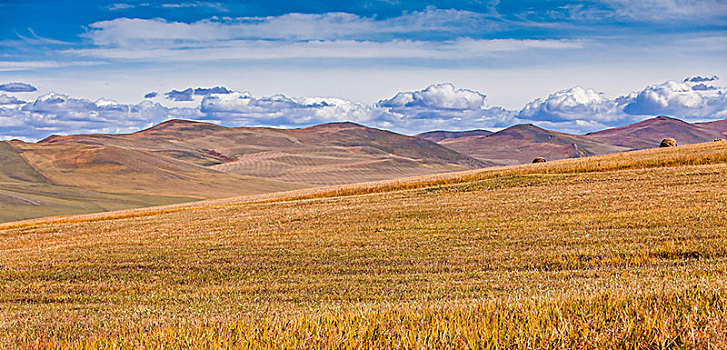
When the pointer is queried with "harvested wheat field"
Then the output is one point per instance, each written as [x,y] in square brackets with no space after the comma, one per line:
[610,252]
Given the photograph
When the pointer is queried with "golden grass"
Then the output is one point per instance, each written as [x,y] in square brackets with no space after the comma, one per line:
[623,251]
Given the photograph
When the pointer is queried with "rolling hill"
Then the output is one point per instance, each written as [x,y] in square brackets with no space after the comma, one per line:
[179,161]
[650,132]
[609,252]
[437,136]
[521,143]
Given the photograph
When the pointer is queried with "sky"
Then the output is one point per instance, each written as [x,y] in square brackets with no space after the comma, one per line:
[70,67]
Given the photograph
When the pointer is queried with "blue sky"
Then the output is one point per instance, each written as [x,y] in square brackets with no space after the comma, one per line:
[407,66]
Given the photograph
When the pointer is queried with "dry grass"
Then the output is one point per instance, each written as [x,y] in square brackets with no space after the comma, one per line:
[624,251]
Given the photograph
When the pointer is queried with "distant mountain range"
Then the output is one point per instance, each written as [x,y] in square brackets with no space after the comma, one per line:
[521,143]
[181,161]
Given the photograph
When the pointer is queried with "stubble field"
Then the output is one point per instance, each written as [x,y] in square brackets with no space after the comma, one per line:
[620,251]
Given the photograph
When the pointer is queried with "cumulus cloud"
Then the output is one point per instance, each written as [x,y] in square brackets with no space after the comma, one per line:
[184,95]
[55,113]
[17,87]
[583,107]
[438,96]
[675,99]
[189,93]
[9,100]
[580,110]
[438,106]
[241,108]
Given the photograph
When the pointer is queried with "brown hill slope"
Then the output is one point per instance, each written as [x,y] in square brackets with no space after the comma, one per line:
[719,127]
[650,132]
[327,154]
[521,143]
[180,161]
[440,135]
[26,193]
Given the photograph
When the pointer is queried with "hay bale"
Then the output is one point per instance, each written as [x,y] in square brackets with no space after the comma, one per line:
[668,142]
[539,160]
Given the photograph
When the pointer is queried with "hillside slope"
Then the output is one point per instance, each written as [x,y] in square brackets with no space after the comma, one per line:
[490,258]
[178,161]
[521,143]
[440,135]
[650,132]
[26,193]
[327,154]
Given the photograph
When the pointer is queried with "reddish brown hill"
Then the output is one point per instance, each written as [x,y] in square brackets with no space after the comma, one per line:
[521,143]
[334,153]
[719,127]
[440,135]
[650,132]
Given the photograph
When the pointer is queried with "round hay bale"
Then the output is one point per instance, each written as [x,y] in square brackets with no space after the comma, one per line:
[539,160]
[668,142]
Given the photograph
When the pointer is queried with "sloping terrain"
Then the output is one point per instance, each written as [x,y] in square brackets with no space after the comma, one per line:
[650,132]
[179,161]
[25,193]
[521,143]
[617,251]
[328,154]
[341,153]
[438,136]
[718,126]
[109,168]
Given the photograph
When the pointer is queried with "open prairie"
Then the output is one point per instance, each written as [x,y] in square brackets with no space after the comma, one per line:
[619,251]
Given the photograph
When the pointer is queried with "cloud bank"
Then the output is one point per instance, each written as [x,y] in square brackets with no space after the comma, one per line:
[435,107]
[55,113]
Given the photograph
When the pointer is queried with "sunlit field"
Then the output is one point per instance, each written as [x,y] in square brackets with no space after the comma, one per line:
[619,251]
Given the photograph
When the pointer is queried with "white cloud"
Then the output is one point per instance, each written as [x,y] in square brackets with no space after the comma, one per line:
[241,108]
[676,12]
[574,104]
[55,113]
[127,32]
[436,107]
[581,110]
[666,10]
[296,35]
[441,106]
[197,4]
[120,6]
[265,49]
[676,99]
[9,100]
[12,66]
[438,96]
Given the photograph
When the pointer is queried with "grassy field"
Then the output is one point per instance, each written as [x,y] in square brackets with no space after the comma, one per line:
[620,251]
